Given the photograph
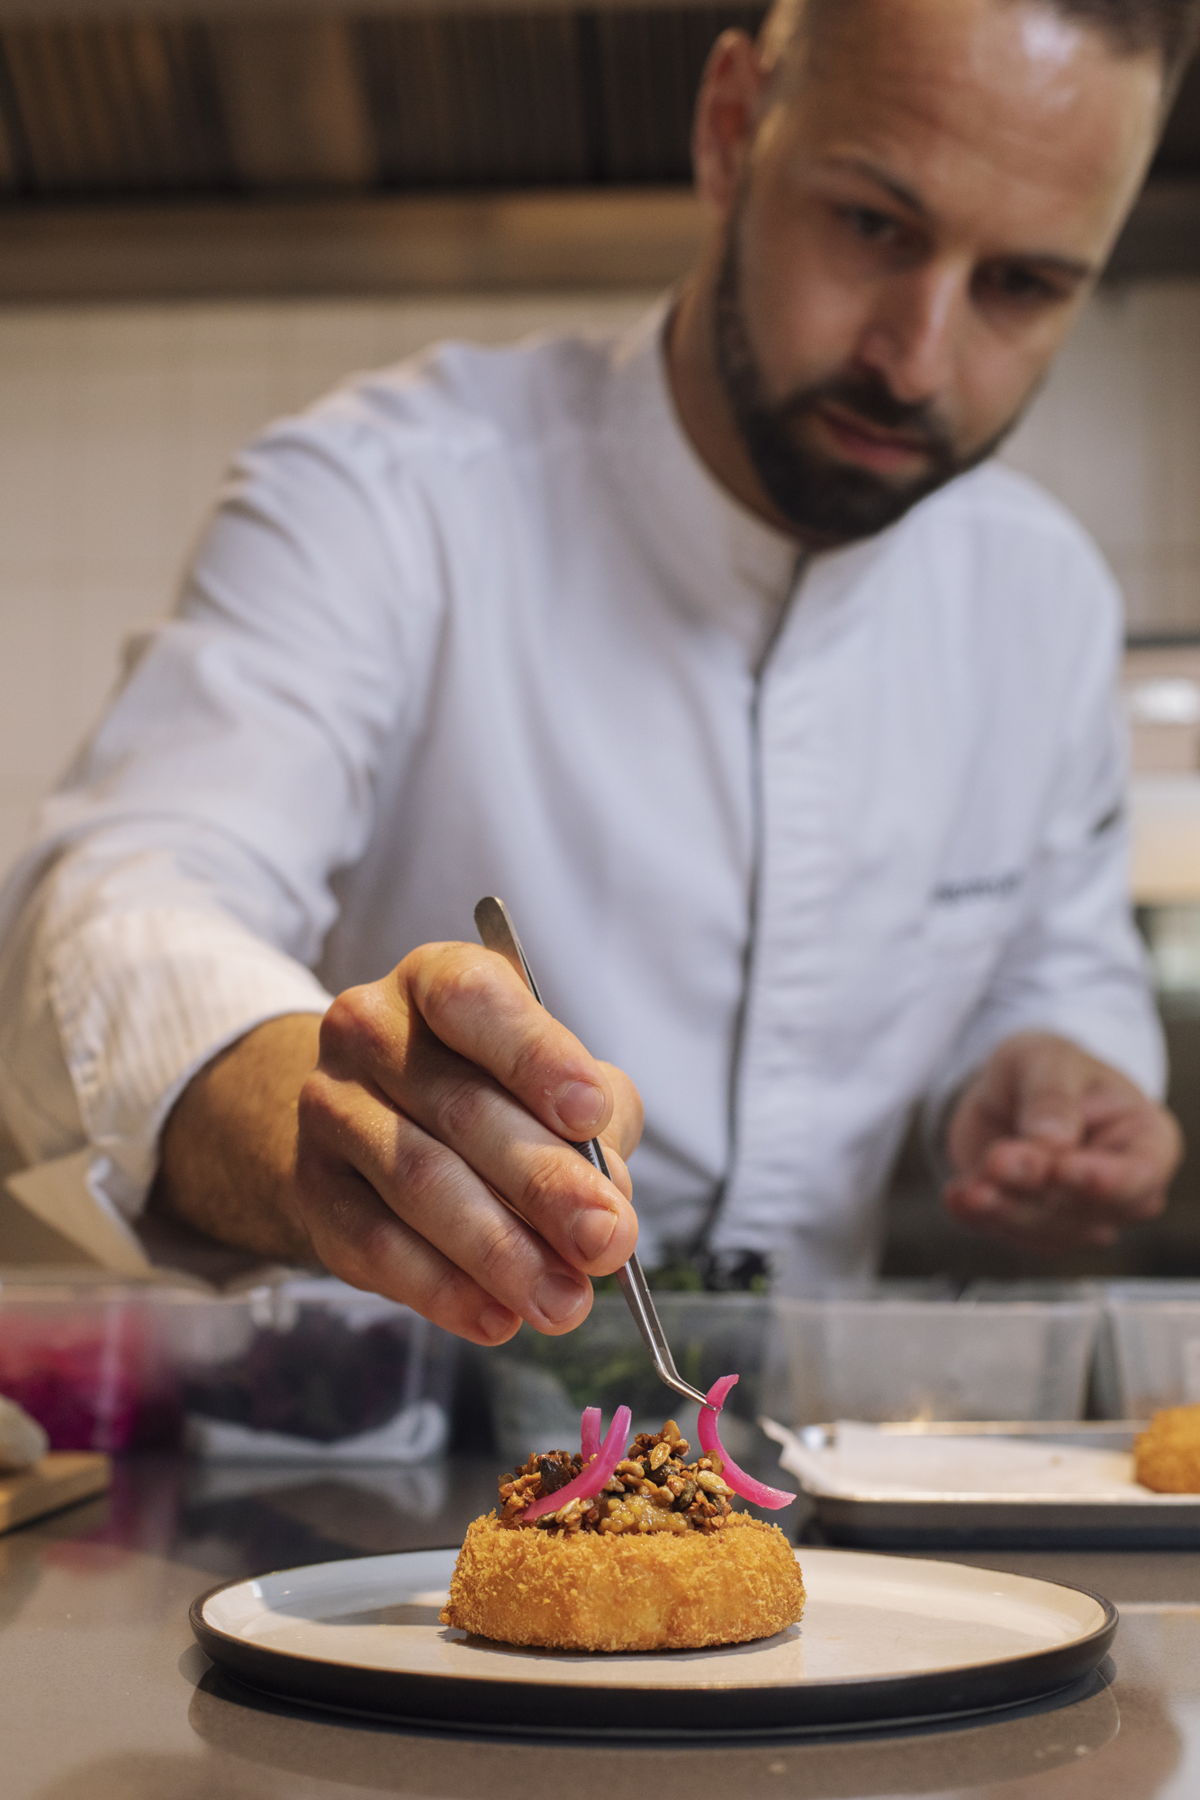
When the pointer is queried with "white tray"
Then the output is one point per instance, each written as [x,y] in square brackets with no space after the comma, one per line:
[964,1484]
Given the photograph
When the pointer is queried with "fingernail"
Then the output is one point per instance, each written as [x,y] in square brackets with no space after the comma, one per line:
[496,1321]
[557,1297]
[591,1231]
[1050,1127]
[580,1106]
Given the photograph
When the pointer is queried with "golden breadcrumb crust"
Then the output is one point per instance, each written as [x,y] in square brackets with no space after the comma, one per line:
[625,1591]
[1166,1456]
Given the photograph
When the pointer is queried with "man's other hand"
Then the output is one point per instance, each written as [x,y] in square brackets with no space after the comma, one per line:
[1053,1149]
[434,1158]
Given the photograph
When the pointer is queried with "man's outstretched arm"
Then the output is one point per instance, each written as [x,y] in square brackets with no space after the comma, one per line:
[228,1151]
[416,1141]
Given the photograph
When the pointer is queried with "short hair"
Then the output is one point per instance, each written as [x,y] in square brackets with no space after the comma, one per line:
[1166,28]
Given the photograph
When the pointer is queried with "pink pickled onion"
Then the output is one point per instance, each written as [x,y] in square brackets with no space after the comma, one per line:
[592,1476]
[757,1492]
[589,1433]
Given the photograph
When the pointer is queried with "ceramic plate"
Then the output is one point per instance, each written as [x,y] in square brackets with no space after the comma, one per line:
[882,1638]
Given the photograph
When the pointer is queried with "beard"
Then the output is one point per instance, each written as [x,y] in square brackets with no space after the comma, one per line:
[826,501]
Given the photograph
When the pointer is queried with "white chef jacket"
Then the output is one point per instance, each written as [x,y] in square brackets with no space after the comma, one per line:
[796,846]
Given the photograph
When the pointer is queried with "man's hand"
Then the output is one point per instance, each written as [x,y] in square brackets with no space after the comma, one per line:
[1053,1149]
[428,1155]
[434,1159]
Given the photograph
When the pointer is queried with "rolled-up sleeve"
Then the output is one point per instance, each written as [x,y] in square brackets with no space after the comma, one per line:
[183,877]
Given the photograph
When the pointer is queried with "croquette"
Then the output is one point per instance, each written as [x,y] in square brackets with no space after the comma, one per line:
[1166,1455]
[636,1591]
[656,1561]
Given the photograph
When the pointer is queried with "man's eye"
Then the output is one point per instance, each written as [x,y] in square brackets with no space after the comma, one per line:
[1012,281]
[872,226]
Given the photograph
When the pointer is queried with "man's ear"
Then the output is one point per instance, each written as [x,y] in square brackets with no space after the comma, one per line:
[726,110]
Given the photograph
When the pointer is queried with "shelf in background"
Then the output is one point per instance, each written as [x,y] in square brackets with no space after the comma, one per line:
[610,239]
[329,129]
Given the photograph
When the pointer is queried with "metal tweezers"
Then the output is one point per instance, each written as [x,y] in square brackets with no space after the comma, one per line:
[496,930]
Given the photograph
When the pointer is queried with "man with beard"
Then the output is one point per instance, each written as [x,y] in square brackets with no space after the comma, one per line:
[782,719]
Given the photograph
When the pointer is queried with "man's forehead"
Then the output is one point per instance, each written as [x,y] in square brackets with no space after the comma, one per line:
[944,91]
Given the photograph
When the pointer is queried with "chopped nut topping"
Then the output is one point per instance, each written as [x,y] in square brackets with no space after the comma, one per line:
[712,1484]
[652,1489]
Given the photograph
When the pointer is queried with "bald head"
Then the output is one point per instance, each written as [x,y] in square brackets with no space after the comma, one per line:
[793,31]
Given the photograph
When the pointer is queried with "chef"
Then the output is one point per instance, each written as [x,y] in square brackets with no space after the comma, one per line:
[780,714]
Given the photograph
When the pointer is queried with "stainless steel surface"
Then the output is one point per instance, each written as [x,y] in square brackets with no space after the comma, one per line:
[1005,1520]
[104,1695]
[498,933]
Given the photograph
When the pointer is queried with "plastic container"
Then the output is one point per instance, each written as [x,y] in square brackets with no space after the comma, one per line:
[1149,1353]
[91,1359]
[538,1386]
[312,1370]
[891,1359]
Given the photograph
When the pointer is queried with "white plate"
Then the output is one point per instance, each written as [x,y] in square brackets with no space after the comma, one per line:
[882,1638]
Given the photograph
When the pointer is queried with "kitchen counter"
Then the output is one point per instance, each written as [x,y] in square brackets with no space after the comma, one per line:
[105,1696]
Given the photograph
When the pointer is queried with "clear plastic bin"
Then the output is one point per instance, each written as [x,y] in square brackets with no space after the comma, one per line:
[891,1359]
[312,1370]
[91,1358]
[1149,1354]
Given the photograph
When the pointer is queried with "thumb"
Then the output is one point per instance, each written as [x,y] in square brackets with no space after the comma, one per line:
[1050,1081]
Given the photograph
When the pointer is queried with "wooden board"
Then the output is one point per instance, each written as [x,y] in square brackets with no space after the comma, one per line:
[60,1479]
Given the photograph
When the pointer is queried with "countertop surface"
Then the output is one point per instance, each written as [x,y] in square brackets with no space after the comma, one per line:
[104,1694]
